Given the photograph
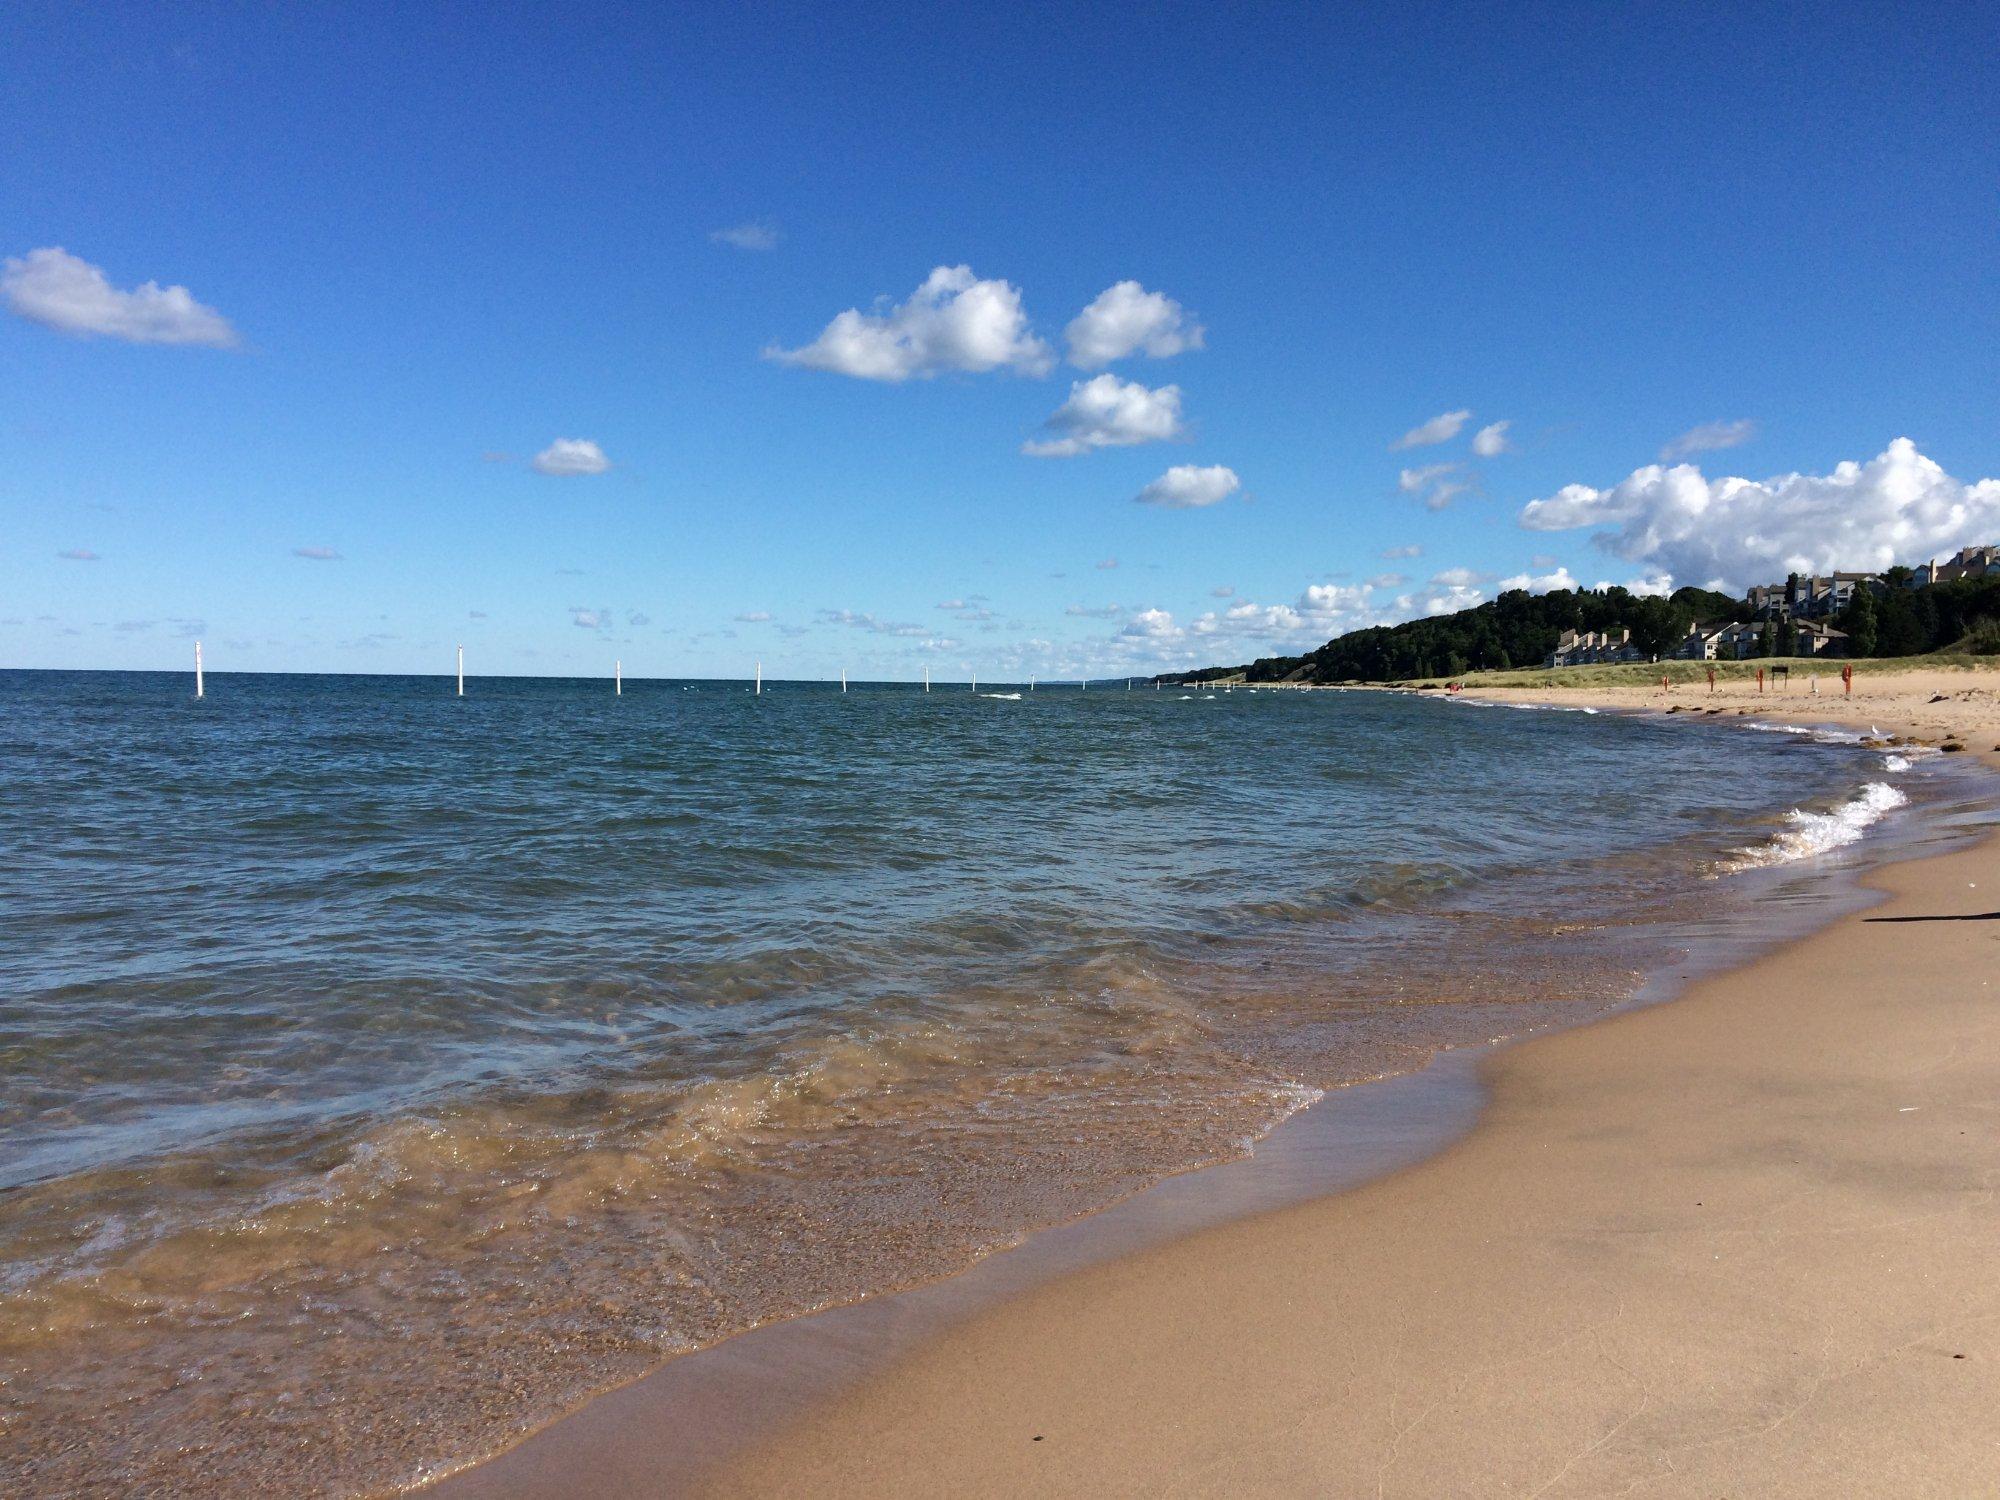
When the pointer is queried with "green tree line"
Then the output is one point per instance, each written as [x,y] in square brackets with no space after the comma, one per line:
[1519,629]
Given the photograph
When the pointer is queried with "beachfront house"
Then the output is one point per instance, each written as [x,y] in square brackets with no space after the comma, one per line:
[1813,638]
[1808,596]
[1968,562]
[1575,648]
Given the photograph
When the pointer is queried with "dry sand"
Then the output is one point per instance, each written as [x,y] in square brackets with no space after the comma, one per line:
[1933,705]
[1747,1243]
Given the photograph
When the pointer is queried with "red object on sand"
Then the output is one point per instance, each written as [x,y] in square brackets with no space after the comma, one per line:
[1847,680]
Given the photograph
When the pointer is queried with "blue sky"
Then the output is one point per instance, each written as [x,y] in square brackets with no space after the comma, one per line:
[419,248]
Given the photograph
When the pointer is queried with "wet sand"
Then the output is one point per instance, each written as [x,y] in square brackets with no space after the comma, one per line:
[1738,1244]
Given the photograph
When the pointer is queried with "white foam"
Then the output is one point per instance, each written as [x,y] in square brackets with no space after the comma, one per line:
[1814,833]
[1820,734]
[1003,697]
[1894,763]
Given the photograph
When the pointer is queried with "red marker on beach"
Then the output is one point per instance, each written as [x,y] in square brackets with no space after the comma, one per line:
[1847,680]
[1760,679]
[1711,679]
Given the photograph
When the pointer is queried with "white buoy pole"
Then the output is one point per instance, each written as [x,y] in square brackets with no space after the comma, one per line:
[197,669]
[461,671]
[1031,684]
[617,679]
[843,679]
[927,679]
[760,680]
[975,682]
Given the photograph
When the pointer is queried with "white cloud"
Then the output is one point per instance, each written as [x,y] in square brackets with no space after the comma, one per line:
[1106,412]
[954,321]
[57,290]
[571,456]
[1435,484]
[1152,625]
[1127,319]
[588,619]
[747,236]
[79,554]
[1223,591]
[316,554]
[1186,486]
[1098,612]
[754,616]
[1897,507]
[868,622]
[1708,437]
[1439,429]
[1491,441]
[1539,583]
[1107,564]
[1396,554]
[1457,578]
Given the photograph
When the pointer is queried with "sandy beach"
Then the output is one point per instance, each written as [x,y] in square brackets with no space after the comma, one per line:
[1736,1244]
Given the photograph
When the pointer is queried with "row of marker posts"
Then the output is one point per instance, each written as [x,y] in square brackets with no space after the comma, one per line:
[618,678]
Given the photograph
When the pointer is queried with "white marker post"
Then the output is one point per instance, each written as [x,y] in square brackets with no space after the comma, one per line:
[760,680]
[843,679]
[617,679]
[461,671]
[197,669]
[1031,684]
[927,679]
[975,682]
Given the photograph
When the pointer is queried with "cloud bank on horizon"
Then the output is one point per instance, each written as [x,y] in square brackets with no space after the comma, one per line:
[1898,507]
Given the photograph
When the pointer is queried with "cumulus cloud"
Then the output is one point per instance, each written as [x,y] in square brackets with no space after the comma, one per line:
[954,321]
[1152,625]
[1439,429]
[1106,412]
[316,554]
[1899,507]
[78,554]
[1434,484]
[57,290]
[747,236]
[1186,486]
[1491,441]
[571,456]
[1539,583]
[1127,319]
[1397,554]
[1709,437]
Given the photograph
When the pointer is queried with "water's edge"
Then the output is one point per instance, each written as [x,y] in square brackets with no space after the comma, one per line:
[659,1433]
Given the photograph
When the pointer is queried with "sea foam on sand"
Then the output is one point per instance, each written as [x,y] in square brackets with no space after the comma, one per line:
[1811,833]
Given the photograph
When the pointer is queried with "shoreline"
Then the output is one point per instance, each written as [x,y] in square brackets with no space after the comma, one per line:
[633,1440]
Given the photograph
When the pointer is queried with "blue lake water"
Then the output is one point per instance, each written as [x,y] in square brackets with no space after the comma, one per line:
[384,1070]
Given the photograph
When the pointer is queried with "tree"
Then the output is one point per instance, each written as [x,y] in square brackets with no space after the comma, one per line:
[1858,620]
[1767,644]
[1788,639]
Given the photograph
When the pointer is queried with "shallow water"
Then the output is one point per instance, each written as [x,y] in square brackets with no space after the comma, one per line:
[385,1071]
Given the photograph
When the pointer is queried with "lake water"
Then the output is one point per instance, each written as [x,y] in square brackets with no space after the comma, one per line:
[382,1071]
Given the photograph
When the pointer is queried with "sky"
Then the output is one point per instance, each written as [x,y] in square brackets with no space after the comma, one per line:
[1023,340]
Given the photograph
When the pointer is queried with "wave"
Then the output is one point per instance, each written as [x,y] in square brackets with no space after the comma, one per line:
[1003,697]
[1813,833]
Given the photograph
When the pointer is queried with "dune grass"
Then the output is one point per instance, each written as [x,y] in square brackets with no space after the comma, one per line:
[1642,674]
